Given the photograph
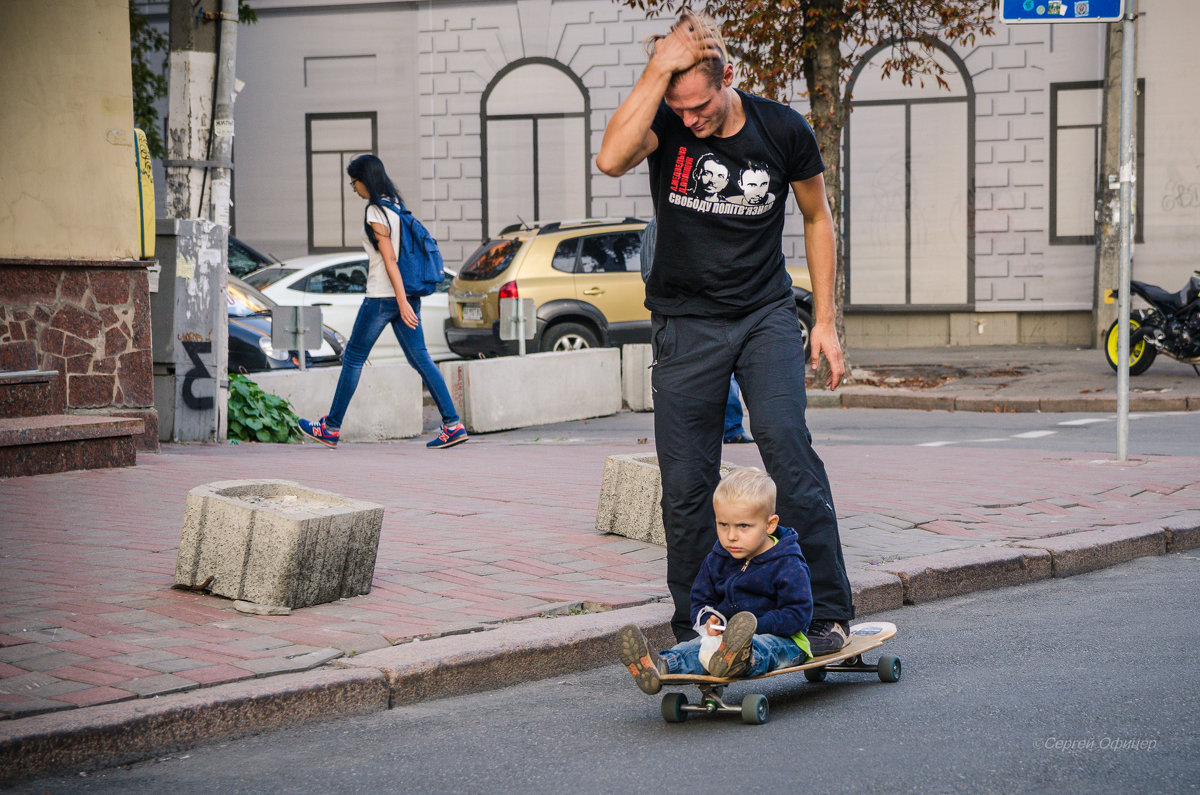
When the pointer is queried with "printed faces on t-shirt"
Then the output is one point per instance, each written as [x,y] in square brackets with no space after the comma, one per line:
[708,183]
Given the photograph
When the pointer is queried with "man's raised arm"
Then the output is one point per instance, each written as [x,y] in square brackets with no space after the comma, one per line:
[628,139]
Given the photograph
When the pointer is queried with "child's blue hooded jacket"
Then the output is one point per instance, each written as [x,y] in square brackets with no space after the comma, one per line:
[772,585]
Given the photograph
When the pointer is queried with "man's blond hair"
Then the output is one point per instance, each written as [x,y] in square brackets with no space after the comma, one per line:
[748,485]
[699,24]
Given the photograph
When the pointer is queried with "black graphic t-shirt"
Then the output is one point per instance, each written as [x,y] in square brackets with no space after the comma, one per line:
[720,205]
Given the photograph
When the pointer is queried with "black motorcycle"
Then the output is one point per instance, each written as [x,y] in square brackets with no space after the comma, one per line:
[1171,325]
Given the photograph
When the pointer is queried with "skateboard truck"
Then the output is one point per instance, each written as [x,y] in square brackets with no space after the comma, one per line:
[753,709]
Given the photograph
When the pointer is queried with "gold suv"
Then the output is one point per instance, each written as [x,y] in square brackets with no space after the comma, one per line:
[585,281]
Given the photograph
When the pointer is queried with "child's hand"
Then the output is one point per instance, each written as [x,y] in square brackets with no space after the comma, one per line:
[714,626]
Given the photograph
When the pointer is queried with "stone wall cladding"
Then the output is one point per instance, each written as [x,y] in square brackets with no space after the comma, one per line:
[1011,166]
[462,49]
[89,323]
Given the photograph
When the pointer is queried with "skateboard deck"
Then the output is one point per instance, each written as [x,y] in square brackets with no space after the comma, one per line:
[864,637]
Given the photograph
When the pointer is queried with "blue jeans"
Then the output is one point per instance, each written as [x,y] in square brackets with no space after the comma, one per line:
[771,652]
[733,410]
[373,316]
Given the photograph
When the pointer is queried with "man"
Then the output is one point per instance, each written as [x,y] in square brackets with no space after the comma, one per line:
[721,303]
[709,179]
[755,183]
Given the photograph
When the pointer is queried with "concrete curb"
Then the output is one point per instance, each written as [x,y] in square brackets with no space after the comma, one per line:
[509,655]
[1184,533]
[129,731]
[1098,549]
[114,734]
[888,398]
[955,572]
[875,591]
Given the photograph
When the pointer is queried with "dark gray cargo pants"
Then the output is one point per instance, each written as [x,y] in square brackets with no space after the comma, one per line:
[694,357]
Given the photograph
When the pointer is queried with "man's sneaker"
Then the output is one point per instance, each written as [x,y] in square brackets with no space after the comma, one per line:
[732,657]
[828,637]
[738,437]
[449,437]
[646,666]
[320,431]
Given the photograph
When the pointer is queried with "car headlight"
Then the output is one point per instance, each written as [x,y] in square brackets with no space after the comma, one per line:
[338,336]
[264,344]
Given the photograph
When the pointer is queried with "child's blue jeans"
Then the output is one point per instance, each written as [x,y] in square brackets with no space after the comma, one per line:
[771,652]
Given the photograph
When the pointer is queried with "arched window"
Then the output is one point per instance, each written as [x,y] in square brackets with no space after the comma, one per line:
[910,165]
[535,121]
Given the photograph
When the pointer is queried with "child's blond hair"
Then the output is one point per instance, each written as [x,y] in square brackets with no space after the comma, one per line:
[748,485]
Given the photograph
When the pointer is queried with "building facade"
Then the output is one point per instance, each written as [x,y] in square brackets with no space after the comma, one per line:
[969,210]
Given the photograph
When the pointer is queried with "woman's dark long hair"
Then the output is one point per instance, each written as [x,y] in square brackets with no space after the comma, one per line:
[368,169]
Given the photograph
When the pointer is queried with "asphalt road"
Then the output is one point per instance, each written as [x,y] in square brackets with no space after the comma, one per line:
[1150,433]
[1081,684]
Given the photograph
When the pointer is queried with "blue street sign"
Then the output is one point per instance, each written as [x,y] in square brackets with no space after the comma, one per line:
[1017,11]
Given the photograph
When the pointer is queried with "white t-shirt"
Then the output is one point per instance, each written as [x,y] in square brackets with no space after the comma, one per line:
[378,283]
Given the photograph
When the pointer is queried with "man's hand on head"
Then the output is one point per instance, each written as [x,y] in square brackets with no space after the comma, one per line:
[684,47]
[823,340]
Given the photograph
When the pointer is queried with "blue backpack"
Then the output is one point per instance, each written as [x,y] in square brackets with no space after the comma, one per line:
[421,266]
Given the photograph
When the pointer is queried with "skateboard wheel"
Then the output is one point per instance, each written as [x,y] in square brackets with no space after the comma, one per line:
[754,709]
[889,668]
[672,707]
[815,674]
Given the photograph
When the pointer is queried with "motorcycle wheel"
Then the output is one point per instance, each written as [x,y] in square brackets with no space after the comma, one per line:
[1141,355]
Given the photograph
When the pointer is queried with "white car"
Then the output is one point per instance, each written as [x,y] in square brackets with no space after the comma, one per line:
[338,283]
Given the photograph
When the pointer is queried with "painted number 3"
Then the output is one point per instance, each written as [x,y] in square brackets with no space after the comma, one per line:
[194,348]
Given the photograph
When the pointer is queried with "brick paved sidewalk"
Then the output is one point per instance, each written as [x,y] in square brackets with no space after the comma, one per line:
[87,615]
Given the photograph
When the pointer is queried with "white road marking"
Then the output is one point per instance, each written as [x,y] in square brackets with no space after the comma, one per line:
[1043,434]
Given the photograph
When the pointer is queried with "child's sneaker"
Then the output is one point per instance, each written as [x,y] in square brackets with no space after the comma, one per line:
[733,656]
[319,431]
[449,437]
[640,659]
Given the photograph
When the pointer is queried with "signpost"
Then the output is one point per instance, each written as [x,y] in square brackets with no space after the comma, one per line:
[296,328]
[1056,11]
[1018,11]
[517,321]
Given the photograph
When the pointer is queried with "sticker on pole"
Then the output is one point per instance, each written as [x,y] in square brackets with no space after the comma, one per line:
[1025,11]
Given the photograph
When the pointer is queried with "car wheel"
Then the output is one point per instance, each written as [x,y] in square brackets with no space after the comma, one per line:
[806,324]
[568,337]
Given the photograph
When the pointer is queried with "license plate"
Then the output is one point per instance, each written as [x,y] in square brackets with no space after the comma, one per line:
[472,313]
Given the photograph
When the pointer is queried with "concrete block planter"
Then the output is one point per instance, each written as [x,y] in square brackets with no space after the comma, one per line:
[635,377]
[541,388]
[274,542]
[631,498]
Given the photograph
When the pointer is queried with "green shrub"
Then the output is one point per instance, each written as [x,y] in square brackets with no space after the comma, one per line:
[257,416]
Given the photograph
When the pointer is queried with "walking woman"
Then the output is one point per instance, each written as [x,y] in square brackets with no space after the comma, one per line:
[386,303]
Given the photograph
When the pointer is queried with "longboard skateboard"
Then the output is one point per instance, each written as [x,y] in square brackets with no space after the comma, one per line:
[754,708]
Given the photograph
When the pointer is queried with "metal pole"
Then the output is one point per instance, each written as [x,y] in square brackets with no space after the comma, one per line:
[1128,46]
[223,117]
[520,326]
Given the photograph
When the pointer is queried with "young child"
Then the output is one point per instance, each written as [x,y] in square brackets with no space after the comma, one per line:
[756,574]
